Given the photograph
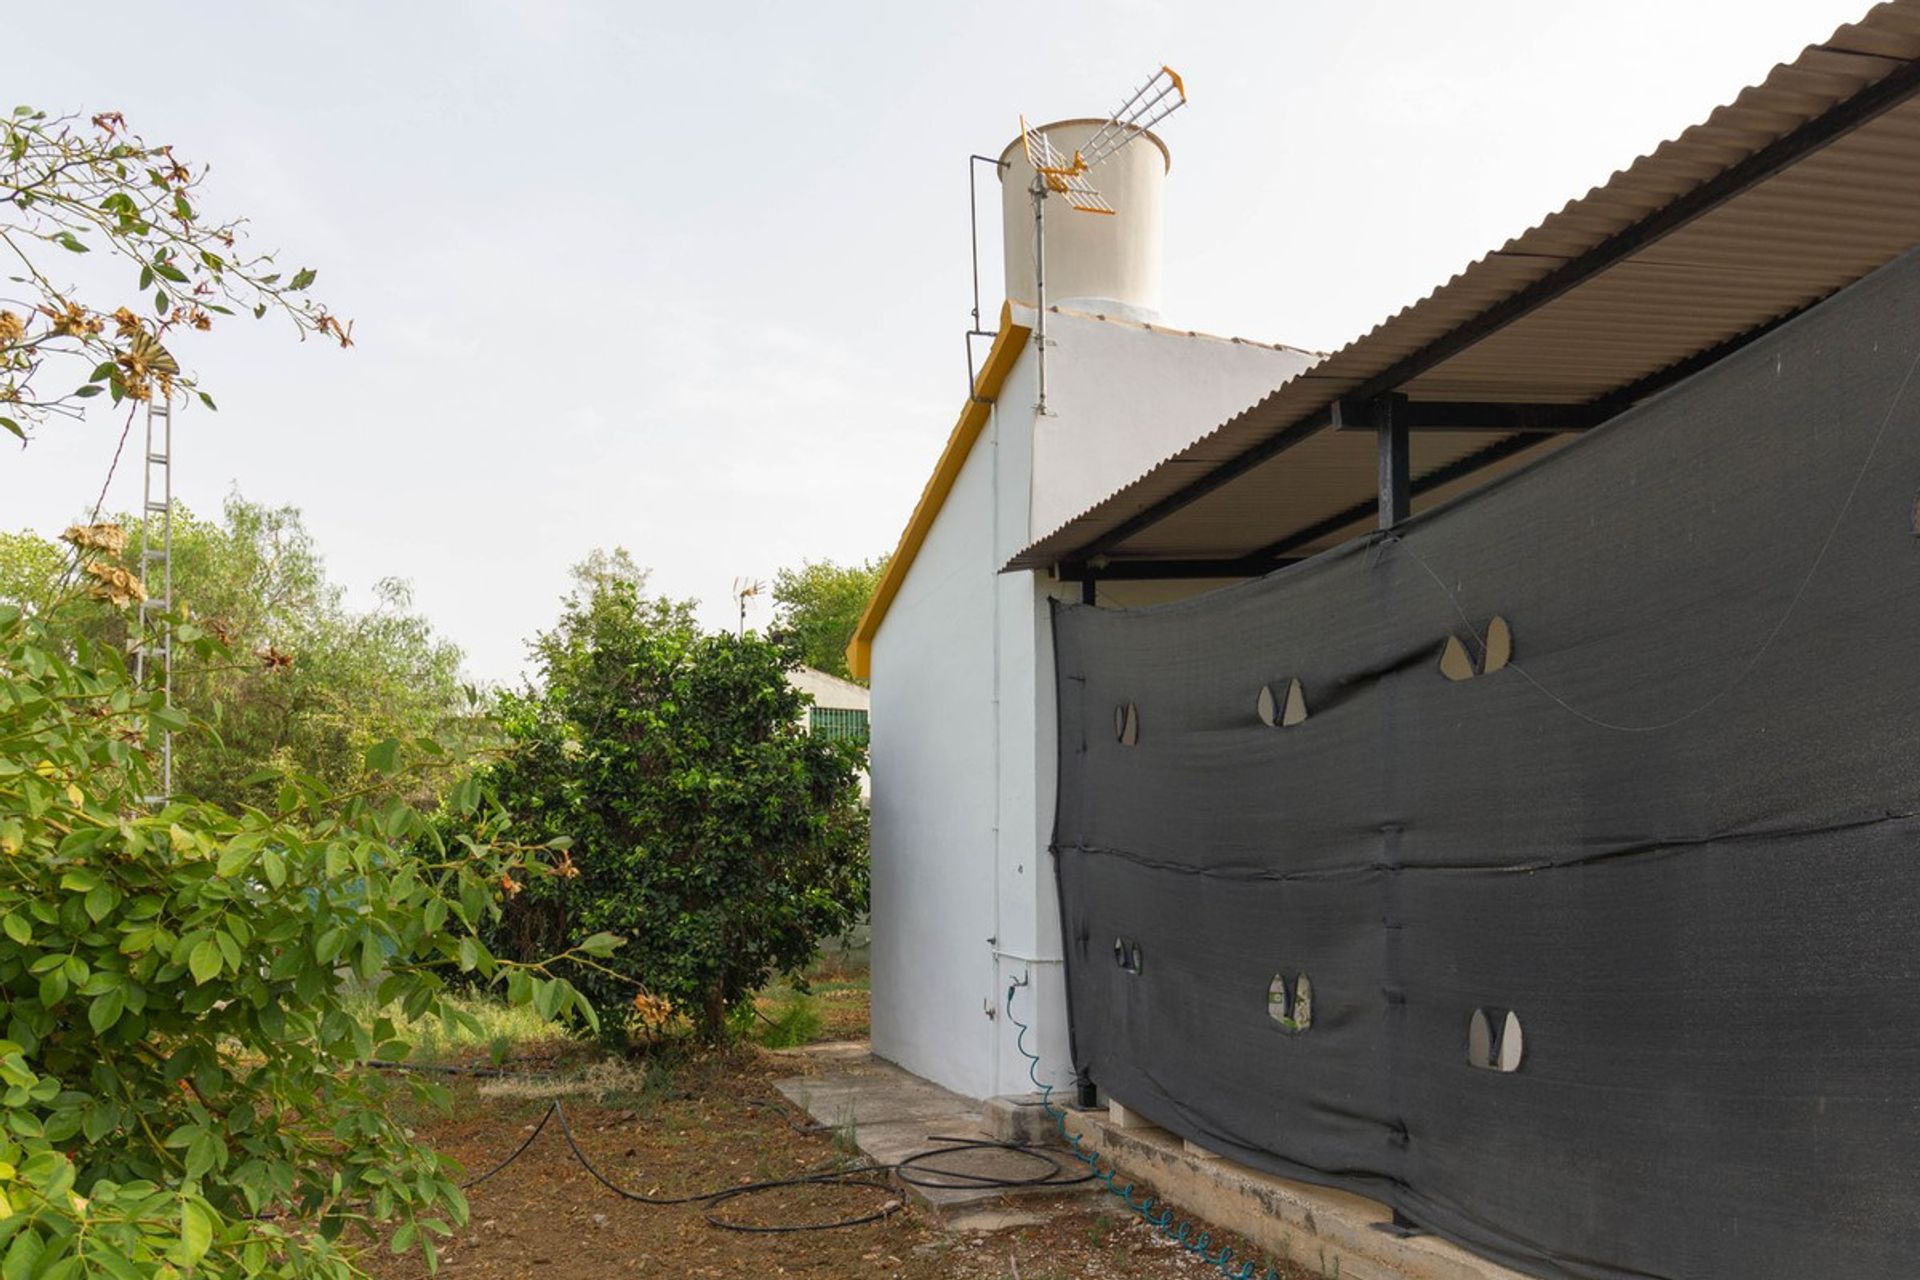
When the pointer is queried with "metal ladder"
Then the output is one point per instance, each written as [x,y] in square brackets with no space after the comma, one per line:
[153,651]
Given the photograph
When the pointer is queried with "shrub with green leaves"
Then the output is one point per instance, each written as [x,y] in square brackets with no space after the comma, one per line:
[712,832]
[179,1088]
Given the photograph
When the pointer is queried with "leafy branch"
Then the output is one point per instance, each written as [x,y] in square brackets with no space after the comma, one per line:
[77,186]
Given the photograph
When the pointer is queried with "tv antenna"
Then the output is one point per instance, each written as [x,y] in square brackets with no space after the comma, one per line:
[1066,176]
[745,589]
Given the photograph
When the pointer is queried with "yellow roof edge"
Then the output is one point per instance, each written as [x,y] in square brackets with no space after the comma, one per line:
[1007,345]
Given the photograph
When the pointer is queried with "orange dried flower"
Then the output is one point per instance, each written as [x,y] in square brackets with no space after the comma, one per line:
[333,328]
[108,538]
[653,1011]
[509,886]
[74,322]
[114,585]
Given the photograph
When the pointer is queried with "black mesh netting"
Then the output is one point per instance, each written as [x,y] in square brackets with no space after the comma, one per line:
[1674,837]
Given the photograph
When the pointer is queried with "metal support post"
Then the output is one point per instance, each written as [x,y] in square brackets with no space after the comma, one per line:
[1040,288]
[1396,468]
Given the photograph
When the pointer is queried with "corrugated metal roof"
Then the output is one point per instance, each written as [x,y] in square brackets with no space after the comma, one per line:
[1703,278]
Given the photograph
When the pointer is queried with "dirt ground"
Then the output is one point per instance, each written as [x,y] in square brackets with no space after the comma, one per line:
[715,1123]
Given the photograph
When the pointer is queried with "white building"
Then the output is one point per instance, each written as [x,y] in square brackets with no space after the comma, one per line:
[960,654]
[840,709]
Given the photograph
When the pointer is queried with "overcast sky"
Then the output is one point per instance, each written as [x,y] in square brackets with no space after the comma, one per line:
[692,279]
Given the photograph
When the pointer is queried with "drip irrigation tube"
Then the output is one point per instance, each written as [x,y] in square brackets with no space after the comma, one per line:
[912,1170]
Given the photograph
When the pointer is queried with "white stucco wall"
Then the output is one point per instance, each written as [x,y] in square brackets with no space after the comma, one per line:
[963,894]
[964,765]
[828,690]
[1125,396]
[933,797]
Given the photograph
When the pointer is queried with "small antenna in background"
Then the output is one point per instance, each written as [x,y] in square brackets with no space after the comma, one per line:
[745,589]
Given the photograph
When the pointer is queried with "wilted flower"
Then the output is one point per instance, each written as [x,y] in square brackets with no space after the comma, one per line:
[653,1011]
[566,870]
[12,327]
[126,324]
[74,322]
[271,658]
[333,328]
[509,886]
[108,538]
[114,584]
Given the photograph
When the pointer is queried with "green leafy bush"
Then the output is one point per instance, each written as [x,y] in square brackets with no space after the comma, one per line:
[710,830]
[178,1082]
[310,683]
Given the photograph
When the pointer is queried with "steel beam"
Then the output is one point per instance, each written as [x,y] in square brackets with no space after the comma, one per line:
[1276,554]
[1838,120]
[1170,570]
[1477,415]
[1395,501]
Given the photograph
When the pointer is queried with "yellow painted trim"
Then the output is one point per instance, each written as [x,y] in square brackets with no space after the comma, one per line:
[1007,346]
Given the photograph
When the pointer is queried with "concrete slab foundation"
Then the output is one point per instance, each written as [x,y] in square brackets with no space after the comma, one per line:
[890,1114]
[1020,1118]
[1313,1226]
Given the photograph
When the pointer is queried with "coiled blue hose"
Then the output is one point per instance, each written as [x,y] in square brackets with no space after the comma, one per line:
[1162,1220]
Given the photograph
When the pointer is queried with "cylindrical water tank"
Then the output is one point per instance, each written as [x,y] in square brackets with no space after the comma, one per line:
[1103,263]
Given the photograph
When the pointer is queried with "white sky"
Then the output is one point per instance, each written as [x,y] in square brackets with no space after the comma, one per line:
[692,279]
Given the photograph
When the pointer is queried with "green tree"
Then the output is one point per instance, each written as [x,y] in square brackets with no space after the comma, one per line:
[304,682]
[179,1091]
[30,570]
[709,829]
[818,605]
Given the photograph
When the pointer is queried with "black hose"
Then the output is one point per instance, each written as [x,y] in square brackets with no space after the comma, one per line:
[517,1151]
[911,1170]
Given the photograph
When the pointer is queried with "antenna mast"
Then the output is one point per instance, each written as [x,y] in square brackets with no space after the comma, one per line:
[1161,96]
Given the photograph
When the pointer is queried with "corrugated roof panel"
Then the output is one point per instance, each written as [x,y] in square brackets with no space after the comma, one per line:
[1824,220]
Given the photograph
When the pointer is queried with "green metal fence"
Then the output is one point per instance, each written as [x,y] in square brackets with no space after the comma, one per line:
[843,723]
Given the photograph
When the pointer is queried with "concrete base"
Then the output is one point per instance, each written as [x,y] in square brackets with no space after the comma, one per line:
[1019,1118]
[889,1114]
[1292,1221]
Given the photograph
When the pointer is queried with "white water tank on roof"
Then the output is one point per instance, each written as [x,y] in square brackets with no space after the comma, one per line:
[1104,263]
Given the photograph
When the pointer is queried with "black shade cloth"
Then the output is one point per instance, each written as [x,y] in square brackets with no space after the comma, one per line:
[1676,836]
